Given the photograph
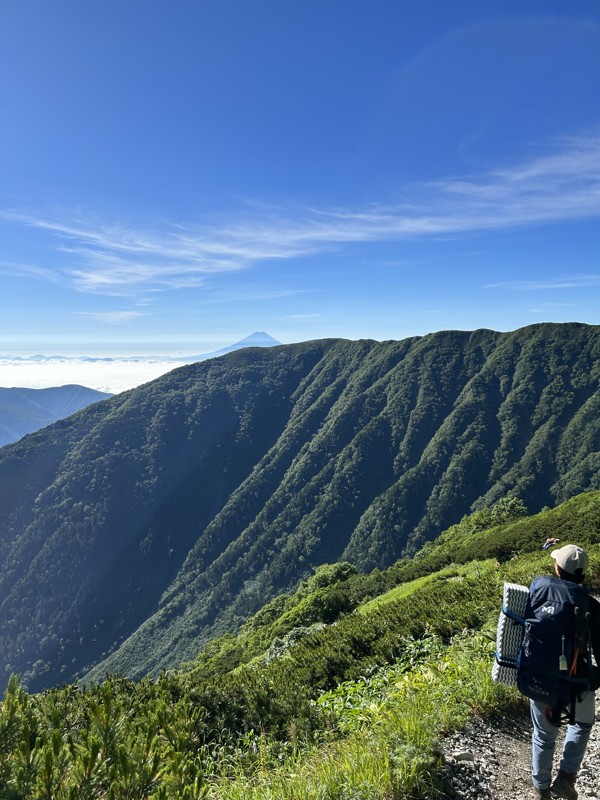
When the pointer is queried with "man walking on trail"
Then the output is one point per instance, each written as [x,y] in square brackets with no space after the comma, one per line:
[571,563]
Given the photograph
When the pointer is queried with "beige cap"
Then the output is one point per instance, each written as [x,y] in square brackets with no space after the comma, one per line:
[571,558]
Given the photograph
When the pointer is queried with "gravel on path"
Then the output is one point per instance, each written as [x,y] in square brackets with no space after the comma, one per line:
[491,760]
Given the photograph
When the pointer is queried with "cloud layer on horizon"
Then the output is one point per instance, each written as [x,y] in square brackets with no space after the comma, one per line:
[112,375]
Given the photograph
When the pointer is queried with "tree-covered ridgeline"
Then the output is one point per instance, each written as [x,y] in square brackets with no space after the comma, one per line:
[339,690]
[142,527]
[23,411]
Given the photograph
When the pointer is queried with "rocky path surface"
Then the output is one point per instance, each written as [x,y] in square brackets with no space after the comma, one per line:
[491,761]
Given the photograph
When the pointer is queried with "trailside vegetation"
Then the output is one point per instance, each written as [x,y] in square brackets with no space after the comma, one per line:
[338,691]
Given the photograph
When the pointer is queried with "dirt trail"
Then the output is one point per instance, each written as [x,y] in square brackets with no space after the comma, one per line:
[493,760]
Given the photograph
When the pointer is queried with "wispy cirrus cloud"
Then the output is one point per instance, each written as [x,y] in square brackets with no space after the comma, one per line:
[120,259]
[250,295]
[302,316]
[112,317]
[566,282]
[28,270]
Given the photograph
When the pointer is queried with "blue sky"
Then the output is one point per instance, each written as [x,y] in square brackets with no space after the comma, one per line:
[175,176]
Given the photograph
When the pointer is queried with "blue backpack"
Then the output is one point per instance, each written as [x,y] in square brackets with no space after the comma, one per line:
[554,664]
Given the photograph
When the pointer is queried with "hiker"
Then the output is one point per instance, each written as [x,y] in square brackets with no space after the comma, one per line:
[570,563]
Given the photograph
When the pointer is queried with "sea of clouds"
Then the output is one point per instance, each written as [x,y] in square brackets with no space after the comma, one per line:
[104,374]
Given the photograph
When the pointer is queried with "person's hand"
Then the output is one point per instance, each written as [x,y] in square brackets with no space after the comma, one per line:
[550,543]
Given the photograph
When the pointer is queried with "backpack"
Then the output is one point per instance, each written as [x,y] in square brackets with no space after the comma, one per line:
[553,662]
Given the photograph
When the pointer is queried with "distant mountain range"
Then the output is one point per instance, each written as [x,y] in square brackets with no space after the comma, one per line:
[257,339]
[23,411]
[133,532]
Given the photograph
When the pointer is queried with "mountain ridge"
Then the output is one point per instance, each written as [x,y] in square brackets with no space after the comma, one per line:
[183,505]
[24,411]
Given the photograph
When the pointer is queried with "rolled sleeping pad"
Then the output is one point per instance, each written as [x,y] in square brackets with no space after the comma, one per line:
[509,634]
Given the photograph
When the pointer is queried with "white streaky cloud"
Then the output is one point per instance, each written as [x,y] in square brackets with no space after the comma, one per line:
[567,282]
[302,316]
[113,317]
[246,295]
[28,271]
[119,259]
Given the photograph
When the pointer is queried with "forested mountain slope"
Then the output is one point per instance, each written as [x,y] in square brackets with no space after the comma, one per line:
[23,411]
[141,527]
[345,688]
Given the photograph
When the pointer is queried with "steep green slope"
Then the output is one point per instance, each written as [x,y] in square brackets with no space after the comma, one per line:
[295,706]
[98,512]
[382,599]
[172,512]
[388,444]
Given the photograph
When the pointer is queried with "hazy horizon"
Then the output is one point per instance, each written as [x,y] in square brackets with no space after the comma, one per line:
[114,377]
[105,372]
